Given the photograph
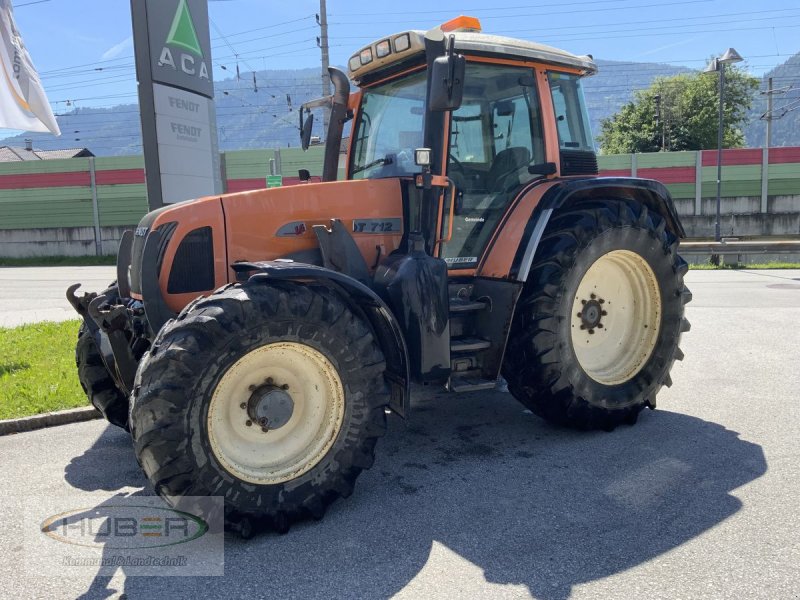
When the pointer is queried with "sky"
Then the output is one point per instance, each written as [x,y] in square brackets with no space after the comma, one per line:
[84,54]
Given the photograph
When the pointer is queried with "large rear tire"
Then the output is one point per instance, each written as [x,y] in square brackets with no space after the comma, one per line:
[272,396]
[599,322]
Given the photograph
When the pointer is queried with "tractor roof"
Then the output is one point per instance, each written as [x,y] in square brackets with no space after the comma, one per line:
[410,44]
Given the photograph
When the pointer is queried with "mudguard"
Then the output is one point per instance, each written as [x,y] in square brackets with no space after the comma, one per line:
[649,192]
[359,297]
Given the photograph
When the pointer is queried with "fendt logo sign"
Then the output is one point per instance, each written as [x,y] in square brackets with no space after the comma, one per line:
[188,57]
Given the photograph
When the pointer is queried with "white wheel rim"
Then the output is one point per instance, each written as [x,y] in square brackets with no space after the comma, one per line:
[616,317]
[305,433]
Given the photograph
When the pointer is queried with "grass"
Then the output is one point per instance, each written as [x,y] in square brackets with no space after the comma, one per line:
[37,369]
[59,261]
[754,266]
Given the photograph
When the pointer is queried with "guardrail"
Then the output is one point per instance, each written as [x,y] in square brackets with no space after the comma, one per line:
[741,247]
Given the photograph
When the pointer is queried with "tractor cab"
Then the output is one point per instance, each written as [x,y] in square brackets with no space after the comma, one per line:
[503,100]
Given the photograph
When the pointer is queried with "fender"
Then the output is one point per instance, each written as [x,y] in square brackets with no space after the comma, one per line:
[360,298]
[649,192]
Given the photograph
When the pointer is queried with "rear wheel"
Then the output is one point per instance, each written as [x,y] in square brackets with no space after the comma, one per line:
[598,325]
[272,396]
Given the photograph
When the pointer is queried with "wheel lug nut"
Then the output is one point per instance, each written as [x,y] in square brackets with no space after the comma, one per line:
[264,430]
[243,405]
[248,422]
[251,388]
[592,296]
[269,380]
[285,386]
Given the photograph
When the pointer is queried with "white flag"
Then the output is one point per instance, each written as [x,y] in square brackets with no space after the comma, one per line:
[23,103]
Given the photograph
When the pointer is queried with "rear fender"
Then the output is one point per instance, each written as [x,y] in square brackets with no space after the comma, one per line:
[359,298]
[652,194]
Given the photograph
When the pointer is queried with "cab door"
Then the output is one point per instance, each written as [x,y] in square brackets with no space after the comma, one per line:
[495,136]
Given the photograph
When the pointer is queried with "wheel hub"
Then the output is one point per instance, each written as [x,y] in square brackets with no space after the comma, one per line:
[270,406]
[592,313]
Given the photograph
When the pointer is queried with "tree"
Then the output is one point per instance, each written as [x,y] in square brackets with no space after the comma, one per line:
[681,113]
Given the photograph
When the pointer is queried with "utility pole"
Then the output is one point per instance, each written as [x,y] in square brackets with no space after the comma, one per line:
[768,141]
[657,117]
[322,42]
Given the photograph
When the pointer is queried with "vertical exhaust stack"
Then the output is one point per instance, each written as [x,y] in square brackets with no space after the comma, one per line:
[333,138]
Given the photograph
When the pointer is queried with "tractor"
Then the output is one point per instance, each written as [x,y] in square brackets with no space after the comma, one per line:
[253,343]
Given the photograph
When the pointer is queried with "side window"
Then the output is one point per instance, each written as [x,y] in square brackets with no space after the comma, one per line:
[572,120]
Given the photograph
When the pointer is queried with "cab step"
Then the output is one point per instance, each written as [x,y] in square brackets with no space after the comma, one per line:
[469,381]
[463,305]
[468,344]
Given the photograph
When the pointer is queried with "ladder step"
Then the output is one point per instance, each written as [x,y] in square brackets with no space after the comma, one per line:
[468,344]
[470,381]
[458,305]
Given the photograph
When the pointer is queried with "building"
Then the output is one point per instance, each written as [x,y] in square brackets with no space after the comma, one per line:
[28,153]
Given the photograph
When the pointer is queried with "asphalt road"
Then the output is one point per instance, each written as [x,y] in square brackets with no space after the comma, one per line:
[474,497]
[31,294]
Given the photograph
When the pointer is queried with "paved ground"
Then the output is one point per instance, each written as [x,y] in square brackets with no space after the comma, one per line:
[30,294]
[476,498]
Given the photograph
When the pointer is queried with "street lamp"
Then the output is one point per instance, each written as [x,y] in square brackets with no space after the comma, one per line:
[718,64]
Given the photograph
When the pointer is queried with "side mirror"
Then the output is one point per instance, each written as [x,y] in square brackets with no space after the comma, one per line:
[305,135]
[447,81]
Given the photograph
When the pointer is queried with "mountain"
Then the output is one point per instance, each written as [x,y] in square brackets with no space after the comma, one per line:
[260,110]
[786,107]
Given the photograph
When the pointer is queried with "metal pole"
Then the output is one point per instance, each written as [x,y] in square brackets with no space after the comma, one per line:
[98,239]
[765,154]
[717,235]
[326,78]
[769,113]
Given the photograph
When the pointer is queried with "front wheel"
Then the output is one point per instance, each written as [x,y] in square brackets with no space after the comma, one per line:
[598,325]
[271,396]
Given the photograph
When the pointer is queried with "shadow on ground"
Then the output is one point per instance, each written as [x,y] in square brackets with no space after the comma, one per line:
[527,503]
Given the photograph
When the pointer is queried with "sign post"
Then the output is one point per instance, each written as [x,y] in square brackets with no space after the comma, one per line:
[176,100]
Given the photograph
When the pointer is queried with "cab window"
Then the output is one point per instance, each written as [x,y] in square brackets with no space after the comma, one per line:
[572,119]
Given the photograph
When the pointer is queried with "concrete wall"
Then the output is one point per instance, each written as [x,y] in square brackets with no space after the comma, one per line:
[58,241]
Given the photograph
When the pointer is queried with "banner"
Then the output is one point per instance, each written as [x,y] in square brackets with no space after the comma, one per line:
[23,103]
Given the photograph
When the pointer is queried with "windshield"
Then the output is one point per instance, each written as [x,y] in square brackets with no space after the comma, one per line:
[389,129]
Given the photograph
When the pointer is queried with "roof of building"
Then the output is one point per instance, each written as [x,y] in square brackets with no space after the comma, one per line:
[17,154]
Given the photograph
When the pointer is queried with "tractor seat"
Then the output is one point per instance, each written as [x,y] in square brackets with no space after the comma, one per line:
[506,164]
